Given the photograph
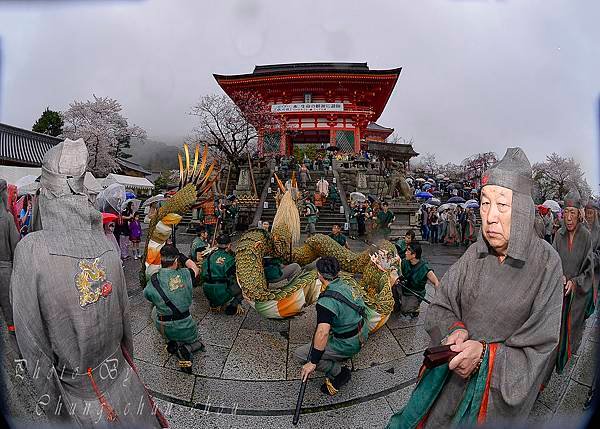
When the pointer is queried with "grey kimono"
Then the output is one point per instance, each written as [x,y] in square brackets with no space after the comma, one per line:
[578,265]
[70,307]
[514,306]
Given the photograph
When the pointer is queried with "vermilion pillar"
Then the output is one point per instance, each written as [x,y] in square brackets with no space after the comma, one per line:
[282,143]
[356,140]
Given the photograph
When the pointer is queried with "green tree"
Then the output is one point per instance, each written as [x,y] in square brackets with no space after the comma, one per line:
[49,123]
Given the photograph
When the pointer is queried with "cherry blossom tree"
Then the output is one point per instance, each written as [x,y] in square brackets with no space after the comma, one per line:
[556,176]
[106,132]
[230,125]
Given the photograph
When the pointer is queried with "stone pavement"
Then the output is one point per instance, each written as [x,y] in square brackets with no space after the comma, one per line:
[248,377]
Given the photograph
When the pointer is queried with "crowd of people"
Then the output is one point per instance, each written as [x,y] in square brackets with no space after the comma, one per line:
[450,227]
[506,316]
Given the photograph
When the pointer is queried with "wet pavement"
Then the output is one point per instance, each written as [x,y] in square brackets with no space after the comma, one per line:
[248,376]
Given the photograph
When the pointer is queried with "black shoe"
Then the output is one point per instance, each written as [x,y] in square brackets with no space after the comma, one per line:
[172,347]
[331,387]
[230,310]
[185,359]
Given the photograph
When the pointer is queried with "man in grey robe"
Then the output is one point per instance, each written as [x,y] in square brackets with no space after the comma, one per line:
[70,307]
[9,237]
[593,224]
[573,242]
[501,301]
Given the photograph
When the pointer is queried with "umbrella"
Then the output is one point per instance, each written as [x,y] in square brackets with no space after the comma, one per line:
[446,206]
[456,199]
[135,204]
[420,179]
[439,176]
[427,186]
[109,200]
[409,180]
[154,199]
[358,196]
[435,201]
[423,194]
[431,181]
[332,148]
[552,205]
[130,195]
[474,191]
[27,185]
[109,217]
[472,204]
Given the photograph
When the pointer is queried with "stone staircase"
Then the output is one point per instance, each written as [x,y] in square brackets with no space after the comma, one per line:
[327,216]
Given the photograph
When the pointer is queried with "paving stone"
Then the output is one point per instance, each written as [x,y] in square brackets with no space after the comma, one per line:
[555,389]
[372,414]
[399,399]
[220,329]
[274,396]
[302,327]
[149,346]
[573,400]
[139,316]
[293,364]
[200,307]
[175,384]
[586,364]
[257,355]
[208,363]
[540,413]
[397,320]
[381,347]
[412,339]
[256,322]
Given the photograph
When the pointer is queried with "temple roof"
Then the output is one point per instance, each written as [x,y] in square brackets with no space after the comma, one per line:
[392,149]
[308,68]
[24,147]
[373,126]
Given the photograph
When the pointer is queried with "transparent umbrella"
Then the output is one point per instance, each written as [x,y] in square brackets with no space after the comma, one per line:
[111,199]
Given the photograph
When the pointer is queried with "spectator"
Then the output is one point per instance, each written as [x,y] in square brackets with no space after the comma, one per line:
[135,235]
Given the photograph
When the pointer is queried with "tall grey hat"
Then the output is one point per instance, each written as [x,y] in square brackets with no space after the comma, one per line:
[513,171]
[63,168]
[573,199]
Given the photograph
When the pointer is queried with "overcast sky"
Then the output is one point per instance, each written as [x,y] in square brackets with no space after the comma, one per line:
[478,75]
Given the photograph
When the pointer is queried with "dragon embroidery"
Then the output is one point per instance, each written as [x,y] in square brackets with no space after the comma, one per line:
[91,282]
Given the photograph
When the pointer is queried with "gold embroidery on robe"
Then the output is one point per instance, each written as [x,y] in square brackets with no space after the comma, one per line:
[175,283]
[91,282]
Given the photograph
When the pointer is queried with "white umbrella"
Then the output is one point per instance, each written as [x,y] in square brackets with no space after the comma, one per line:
[420,179]
[439,176]
[110,199]
[431,181]
[552,205]
[135,204]
[27,185]
[358,196]
[473,201]
[446,206]
[435,201]
[154,199]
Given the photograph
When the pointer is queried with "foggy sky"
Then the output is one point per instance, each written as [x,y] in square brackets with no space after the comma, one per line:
[478,75]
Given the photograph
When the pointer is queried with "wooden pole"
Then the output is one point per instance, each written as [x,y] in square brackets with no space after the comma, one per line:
[227,181]
[252,174]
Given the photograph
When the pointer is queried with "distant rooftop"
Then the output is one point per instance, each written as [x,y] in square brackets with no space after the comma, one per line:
[309,68]
[24,147]
[312,67]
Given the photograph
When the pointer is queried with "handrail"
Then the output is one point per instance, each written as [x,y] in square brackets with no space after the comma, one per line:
[342,193]
[263,198]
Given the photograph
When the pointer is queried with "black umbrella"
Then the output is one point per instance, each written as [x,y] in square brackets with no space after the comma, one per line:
[456,199]
[332,148]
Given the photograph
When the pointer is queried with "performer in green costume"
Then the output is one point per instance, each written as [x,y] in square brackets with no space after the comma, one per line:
[170,291]
[337,236]
[385,218]
[341,329]
[219,282]
[401,243]
[200,243]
